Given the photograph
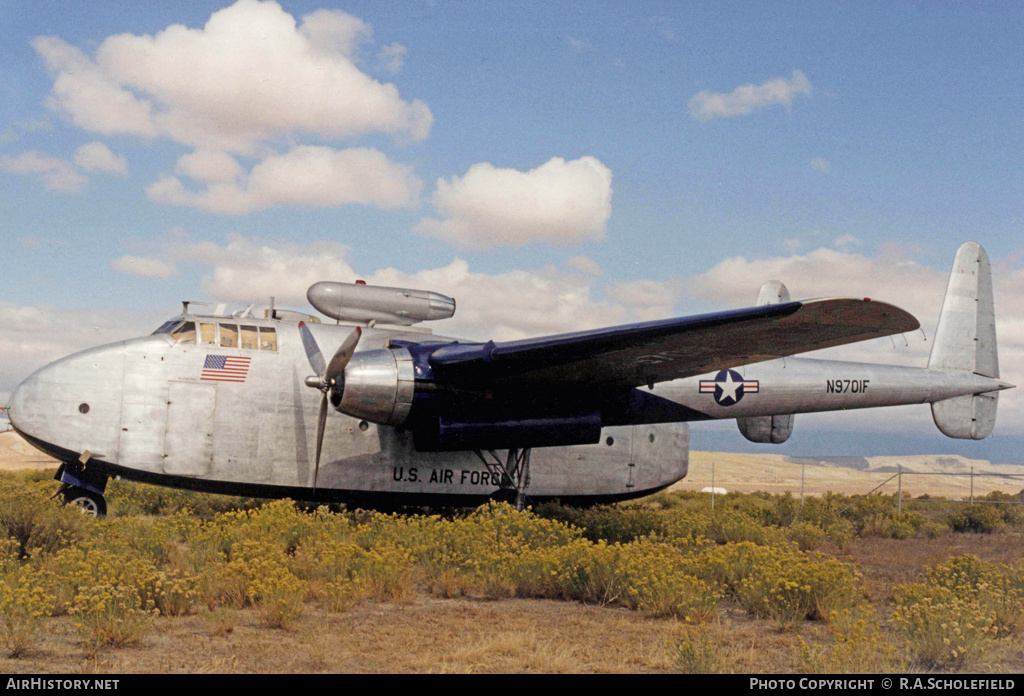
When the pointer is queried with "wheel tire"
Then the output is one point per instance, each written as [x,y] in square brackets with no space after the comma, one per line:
[88,503]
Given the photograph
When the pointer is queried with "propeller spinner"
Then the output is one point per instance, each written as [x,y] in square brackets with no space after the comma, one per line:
[329,376]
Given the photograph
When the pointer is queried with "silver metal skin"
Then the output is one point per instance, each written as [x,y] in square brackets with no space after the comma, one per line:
[364,303]
[198,410]
[379,386]
[152,416]
[805,385]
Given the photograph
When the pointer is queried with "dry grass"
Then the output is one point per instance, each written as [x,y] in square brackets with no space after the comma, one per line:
[428,633]
[465,635]
[425,636]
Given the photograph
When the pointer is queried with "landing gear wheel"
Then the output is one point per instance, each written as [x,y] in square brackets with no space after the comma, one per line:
[88,503]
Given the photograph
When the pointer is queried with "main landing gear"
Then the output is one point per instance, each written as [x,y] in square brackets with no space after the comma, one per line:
[88,502]
[513,473]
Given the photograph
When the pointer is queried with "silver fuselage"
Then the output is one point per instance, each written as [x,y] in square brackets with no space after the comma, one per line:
[154,409]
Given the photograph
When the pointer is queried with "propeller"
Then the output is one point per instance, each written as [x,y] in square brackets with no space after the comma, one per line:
[329,376]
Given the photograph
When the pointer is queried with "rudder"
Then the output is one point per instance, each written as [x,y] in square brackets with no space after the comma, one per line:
[965,341]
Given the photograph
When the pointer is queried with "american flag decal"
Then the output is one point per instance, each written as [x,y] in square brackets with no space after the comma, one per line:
[225,368]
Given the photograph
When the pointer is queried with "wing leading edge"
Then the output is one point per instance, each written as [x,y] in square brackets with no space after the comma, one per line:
[637,354]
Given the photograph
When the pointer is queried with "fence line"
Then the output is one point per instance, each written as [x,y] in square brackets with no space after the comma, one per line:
[898,476]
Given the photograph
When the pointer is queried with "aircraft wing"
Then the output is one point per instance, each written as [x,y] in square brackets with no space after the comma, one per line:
[645,353]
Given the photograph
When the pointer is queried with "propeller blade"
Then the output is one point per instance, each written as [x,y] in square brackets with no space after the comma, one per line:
[313,354]
[320,435]
[329,377]
[336,368]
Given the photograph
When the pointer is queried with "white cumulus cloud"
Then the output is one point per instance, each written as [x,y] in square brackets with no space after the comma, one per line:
[57,174]
[250,76]
[144,266]
[746,99]
[97,157]
[305,176]
[560,202]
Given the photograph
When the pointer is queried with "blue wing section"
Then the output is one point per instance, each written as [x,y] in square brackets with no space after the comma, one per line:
[649,352]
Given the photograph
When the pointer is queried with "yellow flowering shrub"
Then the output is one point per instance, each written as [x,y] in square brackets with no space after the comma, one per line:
[997,587]
[944,630]
[24,604]
[859,644]
[109,615]
[694,651]
[797,586]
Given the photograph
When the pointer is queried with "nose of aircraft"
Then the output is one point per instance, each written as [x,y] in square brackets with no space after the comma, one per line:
[72,405]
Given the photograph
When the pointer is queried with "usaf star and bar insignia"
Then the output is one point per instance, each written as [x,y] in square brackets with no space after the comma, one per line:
[728,386]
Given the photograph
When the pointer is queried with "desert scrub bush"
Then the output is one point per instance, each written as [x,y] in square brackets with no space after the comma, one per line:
[67,573]
[694,651]
[481,545]
[36,522]
[858,643]
[769,510]
[780,583]
[610,523]
[658,585]
[646,575]
[981,519]
[998,588]
[160,540]
[170,592]
[23,606]
[279,596]
[943,630]
[386,573]
[111,616]
[733,525]
[729,564]
[243,572]
[278,523]
[807,536]
[1009,506]
[127,498]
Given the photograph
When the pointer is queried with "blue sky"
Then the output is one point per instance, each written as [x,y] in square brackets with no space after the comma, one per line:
[554,166]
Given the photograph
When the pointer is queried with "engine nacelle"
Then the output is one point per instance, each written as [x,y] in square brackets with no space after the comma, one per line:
[378,387]
[773,429]
[365,303]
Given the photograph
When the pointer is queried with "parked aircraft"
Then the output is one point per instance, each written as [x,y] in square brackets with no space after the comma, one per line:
[240,404]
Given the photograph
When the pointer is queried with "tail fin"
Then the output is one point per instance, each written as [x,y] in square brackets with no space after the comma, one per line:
[965,341]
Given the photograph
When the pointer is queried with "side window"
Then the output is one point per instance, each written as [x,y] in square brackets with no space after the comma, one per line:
[268,338]
[250,338]
[186,333]
[208,334]
[229,335]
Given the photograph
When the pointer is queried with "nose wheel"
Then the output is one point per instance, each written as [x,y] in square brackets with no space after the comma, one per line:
[88,503]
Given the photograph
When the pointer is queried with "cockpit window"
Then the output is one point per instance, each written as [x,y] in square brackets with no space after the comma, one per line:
[167,326]
[222,335]
[185,332]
